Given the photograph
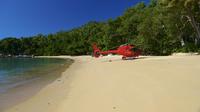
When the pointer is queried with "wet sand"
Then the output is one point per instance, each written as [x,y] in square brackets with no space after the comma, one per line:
[26,90]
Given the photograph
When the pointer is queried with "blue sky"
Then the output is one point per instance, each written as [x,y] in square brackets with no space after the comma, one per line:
[30,17]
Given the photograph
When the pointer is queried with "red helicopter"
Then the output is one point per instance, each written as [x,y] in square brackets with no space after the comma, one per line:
[127,51]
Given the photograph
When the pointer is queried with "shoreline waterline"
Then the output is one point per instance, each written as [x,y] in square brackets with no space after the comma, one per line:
[24,90]
[141,85]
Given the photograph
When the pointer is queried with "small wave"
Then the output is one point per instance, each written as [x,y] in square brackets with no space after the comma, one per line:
[4,88]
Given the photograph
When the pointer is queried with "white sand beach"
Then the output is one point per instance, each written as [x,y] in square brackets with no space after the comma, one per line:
[109,84]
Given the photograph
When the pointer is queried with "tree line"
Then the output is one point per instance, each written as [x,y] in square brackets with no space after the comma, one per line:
[161,27]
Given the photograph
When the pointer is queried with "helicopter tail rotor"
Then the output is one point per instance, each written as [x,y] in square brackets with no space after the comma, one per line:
[96,50]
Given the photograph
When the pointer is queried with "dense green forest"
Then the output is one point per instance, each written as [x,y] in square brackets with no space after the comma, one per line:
[161,27]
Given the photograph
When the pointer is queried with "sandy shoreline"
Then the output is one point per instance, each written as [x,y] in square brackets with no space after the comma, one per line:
[38,78]
[148,84]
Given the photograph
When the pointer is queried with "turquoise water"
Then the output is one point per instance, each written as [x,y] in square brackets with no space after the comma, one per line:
[18,71]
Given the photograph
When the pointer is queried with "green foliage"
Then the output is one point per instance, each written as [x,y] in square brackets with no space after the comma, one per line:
[159,28]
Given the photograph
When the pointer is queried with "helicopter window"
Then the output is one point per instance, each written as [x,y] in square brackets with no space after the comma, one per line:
[134,49]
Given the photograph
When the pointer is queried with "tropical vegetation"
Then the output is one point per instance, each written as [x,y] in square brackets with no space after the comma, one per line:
[161,27]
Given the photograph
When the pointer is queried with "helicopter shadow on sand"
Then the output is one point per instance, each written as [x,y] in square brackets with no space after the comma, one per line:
[127,59]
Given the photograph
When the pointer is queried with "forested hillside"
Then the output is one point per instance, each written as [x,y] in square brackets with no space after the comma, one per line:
[158,28]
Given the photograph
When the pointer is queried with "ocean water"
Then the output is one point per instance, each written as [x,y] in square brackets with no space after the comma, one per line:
[19,71]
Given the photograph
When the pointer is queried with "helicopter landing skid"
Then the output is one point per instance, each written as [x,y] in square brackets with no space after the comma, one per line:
[128,58]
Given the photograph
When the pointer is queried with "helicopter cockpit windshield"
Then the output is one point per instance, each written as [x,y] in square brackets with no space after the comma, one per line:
[134,49]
